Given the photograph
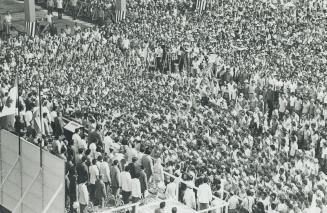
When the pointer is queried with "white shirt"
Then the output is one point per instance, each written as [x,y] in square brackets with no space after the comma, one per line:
[28,117]
[107,144]
[126,181]
[189,198]
[233,201]
[59,4]
[171,191]
[49,18]
[83,194]
[131,152]
[94,172]
[136,188]
[105,171]
[76,139]
[204,193]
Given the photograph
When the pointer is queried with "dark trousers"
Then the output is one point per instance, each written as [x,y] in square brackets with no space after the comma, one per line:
[59,13]
[134,200]
[74,10]
[92,192]
[204,206]
[126,196]
[83,208]
[50,9]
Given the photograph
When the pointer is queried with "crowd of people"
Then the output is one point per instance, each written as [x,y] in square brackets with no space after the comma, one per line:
[232,99]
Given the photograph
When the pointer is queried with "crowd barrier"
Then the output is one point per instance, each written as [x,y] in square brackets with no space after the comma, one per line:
[31,180]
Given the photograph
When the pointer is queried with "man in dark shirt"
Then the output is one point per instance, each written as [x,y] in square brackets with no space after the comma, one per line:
[82,171]
[94,136]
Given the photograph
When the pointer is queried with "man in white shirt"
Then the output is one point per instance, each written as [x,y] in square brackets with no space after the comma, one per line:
[59,7]
[126,184]
[105,170]
[83,197]
[76,138]
[94,174]
[189,198]
[136,189]
[131,152]
[204,194]
[107,140]
[233,203]
[171,190]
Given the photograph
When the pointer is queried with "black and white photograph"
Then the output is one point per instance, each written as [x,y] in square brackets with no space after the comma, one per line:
[163,106]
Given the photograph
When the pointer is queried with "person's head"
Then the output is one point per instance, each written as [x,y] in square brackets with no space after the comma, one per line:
[77,130]
[87,152]
[162,205]
[80,151]
[84,158]
[205,180]
[94,161]
[174,210]
[115,163]
[100,158]
[147,151]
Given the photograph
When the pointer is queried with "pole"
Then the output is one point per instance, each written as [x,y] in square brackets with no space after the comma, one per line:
[40,111]
[19,141]
[41,153]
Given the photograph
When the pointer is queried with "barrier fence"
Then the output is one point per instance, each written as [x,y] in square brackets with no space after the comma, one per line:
[30,183]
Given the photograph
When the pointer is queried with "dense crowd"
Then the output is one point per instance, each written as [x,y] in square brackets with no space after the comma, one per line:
[234,96]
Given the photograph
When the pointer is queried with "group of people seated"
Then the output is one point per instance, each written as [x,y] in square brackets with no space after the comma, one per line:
[233,97]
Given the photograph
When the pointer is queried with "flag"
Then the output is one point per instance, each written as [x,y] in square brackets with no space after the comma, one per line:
[30,28]
[201,5]
[29,8]
[10,104]
[120,10]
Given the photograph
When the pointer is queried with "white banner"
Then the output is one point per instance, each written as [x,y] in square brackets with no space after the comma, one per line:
[9,107]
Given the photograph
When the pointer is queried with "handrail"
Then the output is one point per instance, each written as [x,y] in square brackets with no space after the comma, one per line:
[9,173]
[121,207]
[212,208]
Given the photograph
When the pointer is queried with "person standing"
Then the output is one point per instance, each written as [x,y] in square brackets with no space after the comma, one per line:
[100,192]
[59,7]
[147,163]
[50,4]
[7,22]
[73,4]
[171,190]
[136,190]
[94,175]
[83,197]
[143,180]
[58,125]
[189,198]
[248,202]
[105,171]
[126,184]
[115,178]
[204,194]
